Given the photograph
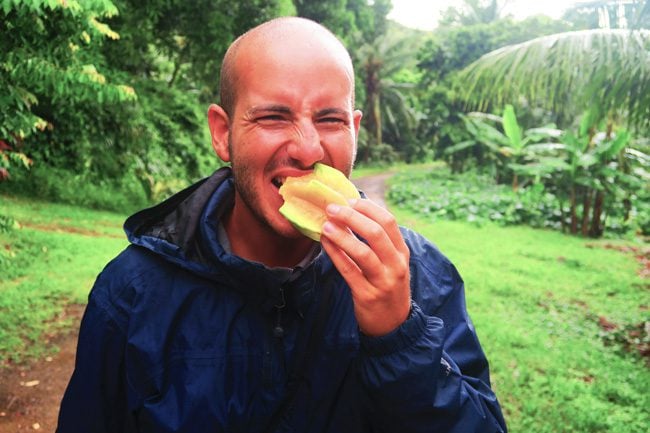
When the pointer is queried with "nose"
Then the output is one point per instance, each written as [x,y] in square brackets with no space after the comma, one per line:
[306,147]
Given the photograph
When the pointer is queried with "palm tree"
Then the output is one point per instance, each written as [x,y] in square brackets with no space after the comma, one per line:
[386,104]
[568,73]
[604,72]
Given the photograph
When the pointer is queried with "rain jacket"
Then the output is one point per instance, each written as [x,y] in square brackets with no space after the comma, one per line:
[181,336]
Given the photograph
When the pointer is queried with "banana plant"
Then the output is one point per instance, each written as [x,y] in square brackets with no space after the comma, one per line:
[513,146]
[600,164]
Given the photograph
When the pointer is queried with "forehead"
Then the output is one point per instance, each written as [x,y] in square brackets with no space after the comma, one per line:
[300,61]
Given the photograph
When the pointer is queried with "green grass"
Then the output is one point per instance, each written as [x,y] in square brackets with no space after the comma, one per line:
[536,298]
[47,264]
[361,170]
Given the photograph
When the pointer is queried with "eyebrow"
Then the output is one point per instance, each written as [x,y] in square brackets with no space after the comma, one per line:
[283,109]
[269,108]
[328,111]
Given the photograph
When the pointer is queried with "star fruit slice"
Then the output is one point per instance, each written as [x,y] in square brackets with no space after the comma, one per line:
[306,197]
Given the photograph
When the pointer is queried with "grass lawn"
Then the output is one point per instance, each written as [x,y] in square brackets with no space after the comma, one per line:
[546,306]
[51,261]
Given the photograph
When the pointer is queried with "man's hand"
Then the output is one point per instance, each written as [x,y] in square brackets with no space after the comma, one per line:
[376,271]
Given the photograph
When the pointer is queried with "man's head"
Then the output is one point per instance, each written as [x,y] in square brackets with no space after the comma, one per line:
[277,31]
[287,94]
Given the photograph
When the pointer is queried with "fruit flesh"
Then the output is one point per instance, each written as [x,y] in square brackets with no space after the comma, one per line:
[306,197]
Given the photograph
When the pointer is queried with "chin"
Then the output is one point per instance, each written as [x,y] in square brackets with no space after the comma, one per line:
[288,231]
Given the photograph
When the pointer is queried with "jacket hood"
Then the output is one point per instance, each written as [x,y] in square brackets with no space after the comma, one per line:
[172,228]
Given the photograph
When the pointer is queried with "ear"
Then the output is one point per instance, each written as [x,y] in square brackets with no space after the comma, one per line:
[219,123]
[356,121]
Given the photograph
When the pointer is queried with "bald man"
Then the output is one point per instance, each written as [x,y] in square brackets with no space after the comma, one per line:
[221,317]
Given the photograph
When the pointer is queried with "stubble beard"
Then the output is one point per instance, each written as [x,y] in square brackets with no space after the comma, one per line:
[244,181]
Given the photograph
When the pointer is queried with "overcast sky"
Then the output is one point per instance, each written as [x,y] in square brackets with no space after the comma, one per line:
[423,14]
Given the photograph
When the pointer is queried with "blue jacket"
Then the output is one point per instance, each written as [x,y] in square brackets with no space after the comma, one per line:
[181,336]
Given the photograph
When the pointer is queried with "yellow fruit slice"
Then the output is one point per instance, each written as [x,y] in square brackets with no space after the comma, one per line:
[306,197]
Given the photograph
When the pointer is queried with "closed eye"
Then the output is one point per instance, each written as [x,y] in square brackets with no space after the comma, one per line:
[332,116]
[271,118]
[332,120]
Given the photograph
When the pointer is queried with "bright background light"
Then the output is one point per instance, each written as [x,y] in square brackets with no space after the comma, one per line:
[424,14]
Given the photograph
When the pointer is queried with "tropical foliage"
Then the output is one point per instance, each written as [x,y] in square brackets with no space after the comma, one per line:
[103,102]
[593,173]
[512,146]
[49,58]
[387,108]
[568,73]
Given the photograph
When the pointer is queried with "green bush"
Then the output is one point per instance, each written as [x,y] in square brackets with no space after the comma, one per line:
[476,198]
[126,194]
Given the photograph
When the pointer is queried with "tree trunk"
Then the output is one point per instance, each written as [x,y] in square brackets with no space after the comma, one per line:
[562,216]
[597,228]
[377,114]
[574,216]
[373,104]
[586,208]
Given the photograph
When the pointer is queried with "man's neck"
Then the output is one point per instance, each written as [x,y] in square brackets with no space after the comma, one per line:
[254,241]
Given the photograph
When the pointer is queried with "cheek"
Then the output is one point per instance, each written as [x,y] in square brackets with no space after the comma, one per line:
[341,149]
[259,145]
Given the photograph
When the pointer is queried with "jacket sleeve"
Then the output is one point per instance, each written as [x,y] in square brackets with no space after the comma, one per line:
[95,400]
[430,374]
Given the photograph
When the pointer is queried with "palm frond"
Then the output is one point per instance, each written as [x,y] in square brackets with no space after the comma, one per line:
[567,73]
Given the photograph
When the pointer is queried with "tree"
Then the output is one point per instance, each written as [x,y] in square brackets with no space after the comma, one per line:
[332,14]
[49,55]
[604,72]
[609,14]
[386,104]
[442,57]
[597,170]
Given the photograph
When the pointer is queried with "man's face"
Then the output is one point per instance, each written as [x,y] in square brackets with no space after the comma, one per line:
[293,109]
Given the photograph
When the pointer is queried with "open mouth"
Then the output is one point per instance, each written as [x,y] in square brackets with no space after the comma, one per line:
[278,181]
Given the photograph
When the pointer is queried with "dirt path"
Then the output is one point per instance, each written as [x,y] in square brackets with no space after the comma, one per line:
[30,394]
[374,186]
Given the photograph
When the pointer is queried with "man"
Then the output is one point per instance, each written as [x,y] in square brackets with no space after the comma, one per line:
[221,317]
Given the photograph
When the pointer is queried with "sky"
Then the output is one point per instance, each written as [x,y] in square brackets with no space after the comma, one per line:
[423,14]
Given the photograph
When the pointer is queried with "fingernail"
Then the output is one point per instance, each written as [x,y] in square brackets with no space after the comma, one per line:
[333,209]
[328,228]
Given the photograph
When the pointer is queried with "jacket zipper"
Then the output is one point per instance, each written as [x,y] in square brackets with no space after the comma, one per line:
[274,344]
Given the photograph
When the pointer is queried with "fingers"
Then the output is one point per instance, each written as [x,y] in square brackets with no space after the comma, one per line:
[381,255]
[378,227]
[381,216]
[366,246]
[356,256]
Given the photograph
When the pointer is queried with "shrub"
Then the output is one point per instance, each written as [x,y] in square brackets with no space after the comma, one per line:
[477,198]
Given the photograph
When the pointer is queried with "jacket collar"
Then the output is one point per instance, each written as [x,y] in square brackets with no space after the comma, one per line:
[184,230]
